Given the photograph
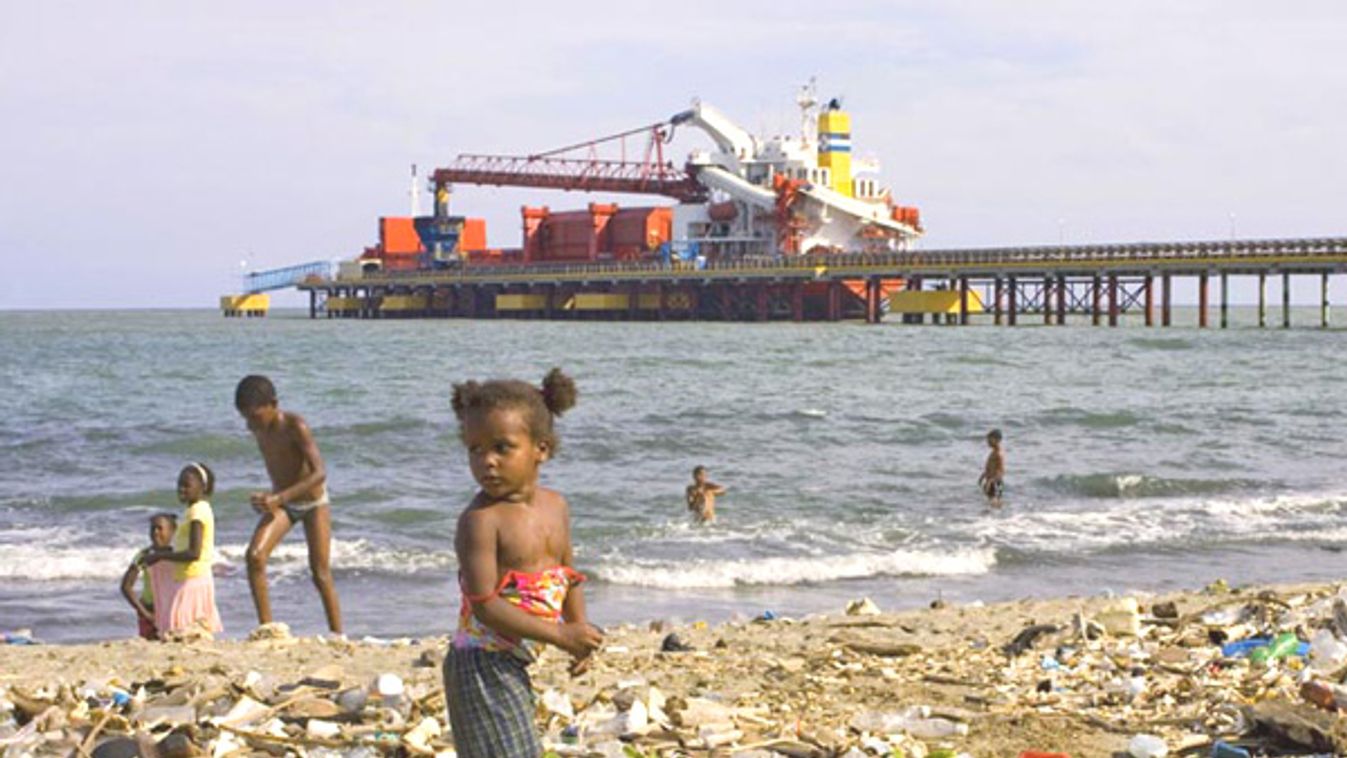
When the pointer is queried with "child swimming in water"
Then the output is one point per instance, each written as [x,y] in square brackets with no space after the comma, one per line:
[701,496]
[993,476]
[516,574]
[156,580]
[192,553]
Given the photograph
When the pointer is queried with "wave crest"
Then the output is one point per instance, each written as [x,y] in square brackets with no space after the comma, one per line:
[785,571]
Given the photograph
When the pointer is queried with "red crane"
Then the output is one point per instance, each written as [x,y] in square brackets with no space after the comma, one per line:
[651,176]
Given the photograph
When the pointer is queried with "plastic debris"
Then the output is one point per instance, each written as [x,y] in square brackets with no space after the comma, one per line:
[816,686]
[674,644]
[1147,746]
[862,607]
[1121,618]
[275,630]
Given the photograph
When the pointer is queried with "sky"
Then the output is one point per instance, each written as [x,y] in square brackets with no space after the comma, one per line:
[149,149]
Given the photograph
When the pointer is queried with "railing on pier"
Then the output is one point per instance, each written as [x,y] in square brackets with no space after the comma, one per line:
[289,276]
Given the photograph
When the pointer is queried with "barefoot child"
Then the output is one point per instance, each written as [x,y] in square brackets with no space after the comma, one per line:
[701,496]
[156,580]
[993,476]
[298,495]
[515,572]
[193,551]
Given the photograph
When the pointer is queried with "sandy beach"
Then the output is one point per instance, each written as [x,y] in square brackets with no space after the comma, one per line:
[1086,677]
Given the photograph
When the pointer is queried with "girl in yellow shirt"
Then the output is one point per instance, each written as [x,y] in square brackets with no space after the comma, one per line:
[193,552]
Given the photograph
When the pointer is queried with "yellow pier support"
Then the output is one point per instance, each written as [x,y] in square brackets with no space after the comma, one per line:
[520,302]
[343,304]
[599,301]
[245,306]
[404,303]
[932,301]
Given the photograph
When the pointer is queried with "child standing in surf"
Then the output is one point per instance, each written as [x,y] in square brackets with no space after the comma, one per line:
[516,575]
[298,495]
[701,496]
[993,476]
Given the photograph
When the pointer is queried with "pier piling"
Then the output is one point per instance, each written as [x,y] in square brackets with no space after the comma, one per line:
[1166,300]
[1323,301]
[1286,299]
[1262,299]
[1112,299]
[1149,286]
[1061,299]
[1225,300]
[1094,301]
[1202,300]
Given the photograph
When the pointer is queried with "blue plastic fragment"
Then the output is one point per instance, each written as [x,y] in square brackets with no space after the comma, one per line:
[1226,750]
[1244,647]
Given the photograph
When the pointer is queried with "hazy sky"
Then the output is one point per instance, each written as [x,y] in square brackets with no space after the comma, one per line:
[146,148]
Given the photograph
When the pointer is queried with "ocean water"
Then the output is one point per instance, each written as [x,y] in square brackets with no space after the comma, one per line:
[1138,459]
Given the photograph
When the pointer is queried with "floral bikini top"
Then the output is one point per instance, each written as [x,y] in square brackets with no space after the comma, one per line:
[540,593]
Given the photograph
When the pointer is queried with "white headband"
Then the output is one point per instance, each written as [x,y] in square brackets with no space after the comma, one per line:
[201,471]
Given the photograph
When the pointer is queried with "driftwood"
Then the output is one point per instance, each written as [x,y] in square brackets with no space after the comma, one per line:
[1300,725]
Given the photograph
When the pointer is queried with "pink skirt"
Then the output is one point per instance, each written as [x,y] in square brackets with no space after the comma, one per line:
[165,588]
[193,605]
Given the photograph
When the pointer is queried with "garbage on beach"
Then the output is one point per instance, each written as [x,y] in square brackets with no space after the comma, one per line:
[919,684]
[220,713]
[862,607]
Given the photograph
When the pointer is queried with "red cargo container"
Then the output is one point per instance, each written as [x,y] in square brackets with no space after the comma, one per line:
[398,235]
[572,235]
[533,221]
[636,232]
[474,234]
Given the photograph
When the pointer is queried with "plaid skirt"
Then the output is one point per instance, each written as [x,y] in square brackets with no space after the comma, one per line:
[491,705]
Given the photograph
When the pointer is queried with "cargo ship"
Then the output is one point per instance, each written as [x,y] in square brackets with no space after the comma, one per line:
[746,200]
[749,197]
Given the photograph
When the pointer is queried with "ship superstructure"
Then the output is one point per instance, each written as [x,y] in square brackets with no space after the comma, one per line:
[748,196]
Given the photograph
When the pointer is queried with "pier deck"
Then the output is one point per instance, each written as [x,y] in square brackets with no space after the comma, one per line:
[1101,281]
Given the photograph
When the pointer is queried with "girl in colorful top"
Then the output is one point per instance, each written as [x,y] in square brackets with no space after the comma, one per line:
[193,552]
[156,580]
[515,567]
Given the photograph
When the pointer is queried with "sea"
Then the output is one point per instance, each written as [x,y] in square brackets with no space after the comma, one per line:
[1139,459]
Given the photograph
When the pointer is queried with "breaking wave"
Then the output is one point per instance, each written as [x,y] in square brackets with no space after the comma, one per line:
[784,571]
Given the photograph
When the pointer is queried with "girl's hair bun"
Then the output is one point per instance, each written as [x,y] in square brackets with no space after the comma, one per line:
[559,393]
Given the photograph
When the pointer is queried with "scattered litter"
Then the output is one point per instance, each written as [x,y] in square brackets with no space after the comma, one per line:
[674,644]
[862,607]
[274,630]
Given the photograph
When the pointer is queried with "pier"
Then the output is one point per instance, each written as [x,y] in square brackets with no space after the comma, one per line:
[1003,286]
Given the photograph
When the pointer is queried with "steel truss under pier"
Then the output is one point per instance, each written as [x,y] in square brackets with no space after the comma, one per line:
[1005,286]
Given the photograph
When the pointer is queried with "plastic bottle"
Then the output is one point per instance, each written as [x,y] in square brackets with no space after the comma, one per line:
[1326,650]
[1147,746]
[1284,645]
[934,728]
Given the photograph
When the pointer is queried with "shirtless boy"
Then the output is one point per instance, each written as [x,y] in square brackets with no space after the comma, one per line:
[298,495]
[701,496]
[993,476]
